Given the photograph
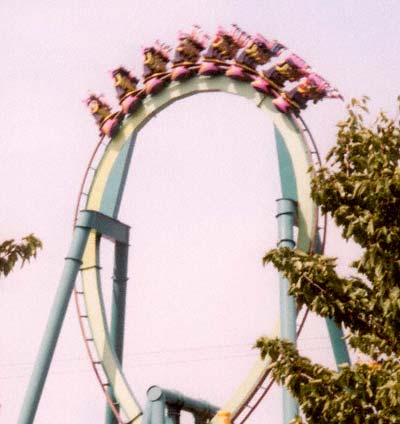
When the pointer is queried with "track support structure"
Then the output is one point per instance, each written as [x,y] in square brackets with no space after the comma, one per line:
[117,327]
[336,336]
[103,200]
[338,343]
[119,233]
[287,216]
[56,318]
[165,406]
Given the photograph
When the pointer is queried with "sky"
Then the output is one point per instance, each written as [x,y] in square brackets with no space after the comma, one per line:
[200,195]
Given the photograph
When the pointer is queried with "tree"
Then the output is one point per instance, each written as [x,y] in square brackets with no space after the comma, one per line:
[360,189]
[12,252]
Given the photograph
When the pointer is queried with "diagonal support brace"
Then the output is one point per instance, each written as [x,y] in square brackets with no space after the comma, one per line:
[87,221]
[73,262]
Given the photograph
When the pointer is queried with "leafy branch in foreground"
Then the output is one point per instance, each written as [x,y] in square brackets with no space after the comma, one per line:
[12,252]
[360,189]
[363,393]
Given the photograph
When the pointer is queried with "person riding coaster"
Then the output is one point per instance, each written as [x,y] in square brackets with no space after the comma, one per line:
[187,53]
[155,71]
[107,121]
[223,47]
[128,94]
[314,88]
[258,51]
[290,69]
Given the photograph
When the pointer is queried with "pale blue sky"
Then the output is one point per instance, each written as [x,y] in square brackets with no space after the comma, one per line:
[201,198]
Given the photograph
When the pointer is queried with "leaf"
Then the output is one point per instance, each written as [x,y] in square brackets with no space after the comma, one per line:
[360,188]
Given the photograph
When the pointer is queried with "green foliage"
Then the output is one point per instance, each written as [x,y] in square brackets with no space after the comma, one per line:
[360,189]
[12,252]
[363,393]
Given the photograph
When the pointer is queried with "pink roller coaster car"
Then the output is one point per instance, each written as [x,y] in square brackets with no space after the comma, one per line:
[290,69]
[257,51]
[314,88]
[155,72]
[107,121]
[187,54]
[223,47]
[128,94]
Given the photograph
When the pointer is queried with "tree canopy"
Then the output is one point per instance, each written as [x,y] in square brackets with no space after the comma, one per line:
[12,252]
[360,188]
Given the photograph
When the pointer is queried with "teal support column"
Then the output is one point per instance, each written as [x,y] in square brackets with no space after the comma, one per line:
[336,335]
[117,327]
[338,343]
[157,399]
[146,419]
[286,216]
[54,323]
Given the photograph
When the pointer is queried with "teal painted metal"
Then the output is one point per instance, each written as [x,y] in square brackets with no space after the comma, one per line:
[286,218]
[56,318]
[146,419]
[113,229]
[157,405]
[161,399]
[117,327]
[119,233]
[286,168]
[110,203]
[105,225]
[338,343]
[336,336]
[111,200]
[175,91]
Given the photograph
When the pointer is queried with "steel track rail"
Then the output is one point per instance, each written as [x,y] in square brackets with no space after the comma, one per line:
[80,307]
[85,329]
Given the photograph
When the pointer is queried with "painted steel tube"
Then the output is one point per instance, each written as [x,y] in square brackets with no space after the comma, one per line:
[146,419]
[54,323]
[117,327]
[338,343]
[157,402]
[286,219]
[336,336]
[197,407]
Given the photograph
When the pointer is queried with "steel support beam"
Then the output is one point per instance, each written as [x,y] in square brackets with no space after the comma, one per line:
[118,233]
[113,230]
[338,343]
[336,336]
[57,313]
[117,327]
[287,211]
[162,399]
[105,225]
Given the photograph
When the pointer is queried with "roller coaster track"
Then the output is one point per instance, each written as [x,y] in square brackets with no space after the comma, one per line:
[103,183]
[78,291]
[265,383]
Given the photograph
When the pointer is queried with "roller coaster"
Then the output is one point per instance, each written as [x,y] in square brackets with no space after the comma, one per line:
[232,62]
